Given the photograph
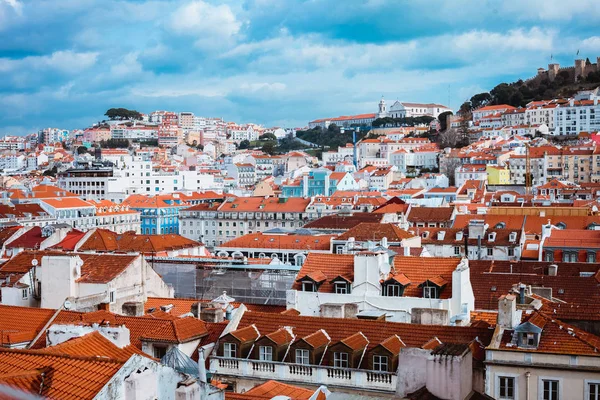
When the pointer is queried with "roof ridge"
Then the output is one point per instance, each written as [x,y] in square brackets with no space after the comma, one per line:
[38,353]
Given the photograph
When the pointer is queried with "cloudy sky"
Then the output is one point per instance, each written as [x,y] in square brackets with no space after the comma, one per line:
[275,62]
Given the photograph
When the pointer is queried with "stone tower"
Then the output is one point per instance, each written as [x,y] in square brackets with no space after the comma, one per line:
[552,71]
[580,71]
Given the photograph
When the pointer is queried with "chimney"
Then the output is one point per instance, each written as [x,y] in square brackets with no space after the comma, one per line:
[508,317]
[552,270]
[521,294]
[212,314]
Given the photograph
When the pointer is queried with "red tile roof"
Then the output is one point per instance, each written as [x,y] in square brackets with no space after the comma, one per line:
[104,240]
[325,267]
[271,389]
[421,269]
[430,214]
[32,239]
[376,331]
[69,377]
[178,330]
[340,222]
[93,345]
[260,240]
[374,231]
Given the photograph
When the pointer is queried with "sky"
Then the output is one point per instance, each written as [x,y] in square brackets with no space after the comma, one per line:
[63,63]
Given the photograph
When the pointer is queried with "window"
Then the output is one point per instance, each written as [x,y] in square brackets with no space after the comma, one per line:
[24,294]
[490,251]
[550,390]
[511,252]
[112,298]
[308,286]
[229,350]
[456,250]
[340,360]
[392,290]
[159,351]
[430,292]
[506,388]
[593,391]
[341,288]
[380,363]
[591,257]
[302,357]
[265,353]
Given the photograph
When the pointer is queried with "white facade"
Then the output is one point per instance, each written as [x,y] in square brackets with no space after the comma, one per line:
[577,117]
[366,293]
[405,110]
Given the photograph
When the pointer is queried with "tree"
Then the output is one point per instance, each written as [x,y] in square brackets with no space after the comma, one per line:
[122,114]
[114,144]
[448,166]
[82,150]
[267,136]
[481,99]
[269,148]
[244,144]
[51,172]
[443,118]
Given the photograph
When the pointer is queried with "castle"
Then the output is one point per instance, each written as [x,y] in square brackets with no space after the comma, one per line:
[579,71]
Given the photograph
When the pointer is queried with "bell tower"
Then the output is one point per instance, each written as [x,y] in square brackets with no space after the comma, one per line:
[382,109]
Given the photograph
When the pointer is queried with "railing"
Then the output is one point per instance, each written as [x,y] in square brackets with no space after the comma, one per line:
[307,374]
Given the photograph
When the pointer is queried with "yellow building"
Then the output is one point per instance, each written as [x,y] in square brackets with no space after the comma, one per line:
[498,175]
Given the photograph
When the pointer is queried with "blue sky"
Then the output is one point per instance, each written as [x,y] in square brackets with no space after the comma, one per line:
[275,62]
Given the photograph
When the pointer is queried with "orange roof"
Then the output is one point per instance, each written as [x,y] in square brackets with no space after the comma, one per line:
[66,202]
[93,345]
[158,201]
[104,240]
[178,330]
[374,231]
[418,270]
[261,204]
[317,339]
[70,377]
[246,334]
[577,238]
[393,344]
[356,341]
[329,265]
[260,240]
[271,389]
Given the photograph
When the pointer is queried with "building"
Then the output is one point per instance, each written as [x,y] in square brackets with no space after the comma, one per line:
[215,224]
[319,182]
[401,288]
[159,214]
[49,279]
[497,175]
[469,172]
[577,116]
[535,355]
[358,357]
[412,110]
[488,111]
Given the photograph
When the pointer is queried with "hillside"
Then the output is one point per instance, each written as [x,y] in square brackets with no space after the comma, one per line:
[547,84]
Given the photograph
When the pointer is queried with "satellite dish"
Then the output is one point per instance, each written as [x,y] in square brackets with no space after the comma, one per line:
[34,262]
[67,305]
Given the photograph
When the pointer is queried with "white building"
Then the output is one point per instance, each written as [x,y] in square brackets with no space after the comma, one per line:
[407,110]
[577,116]
[76,278]
[398,290]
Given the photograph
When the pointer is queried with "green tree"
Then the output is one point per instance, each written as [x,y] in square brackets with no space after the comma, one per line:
[269,148]
[82,150]
[268,136]
[122,114]
[480,99]
[244,144]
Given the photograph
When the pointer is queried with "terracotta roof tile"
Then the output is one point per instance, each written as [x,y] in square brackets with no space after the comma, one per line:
[71,377]
[271,389]
[430,214]
[374,231]
[343,222]
[356,342]
[317,339]
[104,240]
[246,334]
[413,335]
[393,344]
[325,267]
[261,240]
[179,330]
[93,345]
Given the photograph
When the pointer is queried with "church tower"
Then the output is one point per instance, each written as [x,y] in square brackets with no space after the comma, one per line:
[382,109]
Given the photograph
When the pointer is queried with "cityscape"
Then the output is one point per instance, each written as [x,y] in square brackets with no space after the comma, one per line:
[373,240]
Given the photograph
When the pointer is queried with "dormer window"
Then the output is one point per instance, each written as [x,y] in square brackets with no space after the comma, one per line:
[302,357]
[229,350]
[531,340]
[340,360]
[393,290]
[341,287]
[308,286]
[561,225]
[512,237]
[430,292]
[492,237]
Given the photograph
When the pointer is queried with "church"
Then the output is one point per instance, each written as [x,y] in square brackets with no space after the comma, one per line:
[405,110]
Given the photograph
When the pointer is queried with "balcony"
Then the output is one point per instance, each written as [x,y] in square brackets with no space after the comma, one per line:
[305,374]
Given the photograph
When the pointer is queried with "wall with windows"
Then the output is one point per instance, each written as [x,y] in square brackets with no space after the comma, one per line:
[511,374]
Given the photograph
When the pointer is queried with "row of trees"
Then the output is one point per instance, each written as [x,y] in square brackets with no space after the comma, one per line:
[397,122]
[331,137]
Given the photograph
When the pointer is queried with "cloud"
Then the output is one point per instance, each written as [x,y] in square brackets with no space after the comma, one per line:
[210,25]
[63,61]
